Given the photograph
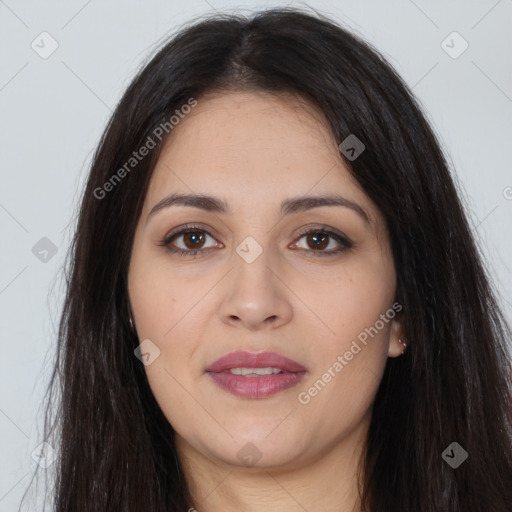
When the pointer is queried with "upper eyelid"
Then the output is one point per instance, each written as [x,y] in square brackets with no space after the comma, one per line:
[332,232]
[322,228]
[185,229]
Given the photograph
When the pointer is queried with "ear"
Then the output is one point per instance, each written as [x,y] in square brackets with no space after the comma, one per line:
[396,332]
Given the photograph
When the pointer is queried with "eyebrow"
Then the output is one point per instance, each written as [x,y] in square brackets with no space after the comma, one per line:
[288,206]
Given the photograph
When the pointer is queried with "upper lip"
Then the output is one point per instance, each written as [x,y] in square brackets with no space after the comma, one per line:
[244,359]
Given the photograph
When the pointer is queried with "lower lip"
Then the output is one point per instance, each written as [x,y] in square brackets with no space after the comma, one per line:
[256,387]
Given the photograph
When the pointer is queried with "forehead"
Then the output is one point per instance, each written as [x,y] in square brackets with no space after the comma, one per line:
[252,148]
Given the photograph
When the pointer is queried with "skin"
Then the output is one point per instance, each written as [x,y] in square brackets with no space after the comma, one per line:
[254,150]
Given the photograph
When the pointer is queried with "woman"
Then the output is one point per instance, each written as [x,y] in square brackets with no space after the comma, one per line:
[274,296]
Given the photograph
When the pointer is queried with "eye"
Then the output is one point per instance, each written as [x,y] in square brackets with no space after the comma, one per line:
[318,239]
[193,240]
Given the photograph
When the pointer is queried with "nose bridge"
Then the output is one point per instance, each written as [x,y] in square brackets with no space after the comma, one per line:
[251,276]
[254,294]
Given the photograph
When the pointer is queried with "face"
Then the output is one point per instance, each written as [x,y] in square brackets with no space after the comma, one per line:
[259,269]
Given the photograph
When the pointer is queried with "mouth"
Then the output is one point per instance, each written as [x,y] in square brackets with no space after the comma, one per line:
[255,375]
[255,372]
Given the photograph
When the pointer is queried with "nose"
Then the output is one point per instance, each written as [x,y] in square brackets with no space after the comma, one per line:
[254,296]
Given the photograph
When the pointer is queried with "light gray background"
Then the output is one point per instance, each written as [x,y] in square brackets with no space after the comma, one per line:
[53,110]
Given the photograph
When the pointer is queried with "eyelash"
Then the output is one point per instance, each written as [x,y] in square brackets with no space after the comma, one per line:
[345,242]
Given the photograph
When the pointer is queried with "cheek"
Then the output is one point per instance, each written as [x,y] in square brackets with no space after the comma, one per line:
[161,295]
[163,311]
[356,312]
[172,387]
[346,376]
[350,300]
[167,310]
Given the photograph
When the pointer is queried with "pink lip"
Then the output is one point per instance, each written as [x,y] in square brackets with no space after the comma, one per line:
[255,387]
[244,359]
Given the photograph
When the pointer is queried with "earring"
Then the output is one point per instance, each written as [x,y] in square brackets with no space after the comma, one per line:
[402,343]
[131,323]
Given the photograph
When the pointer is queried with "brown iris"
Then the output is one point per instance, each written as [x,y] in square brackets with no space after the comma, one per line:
[320,240]
[194,237]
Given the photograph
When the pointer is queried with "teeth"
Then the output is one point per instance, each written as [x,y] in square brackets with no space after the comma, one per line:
[253,372]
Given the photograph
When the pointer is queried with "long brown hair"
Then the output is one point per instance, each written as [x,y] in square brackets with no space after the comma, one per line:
[115,446]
